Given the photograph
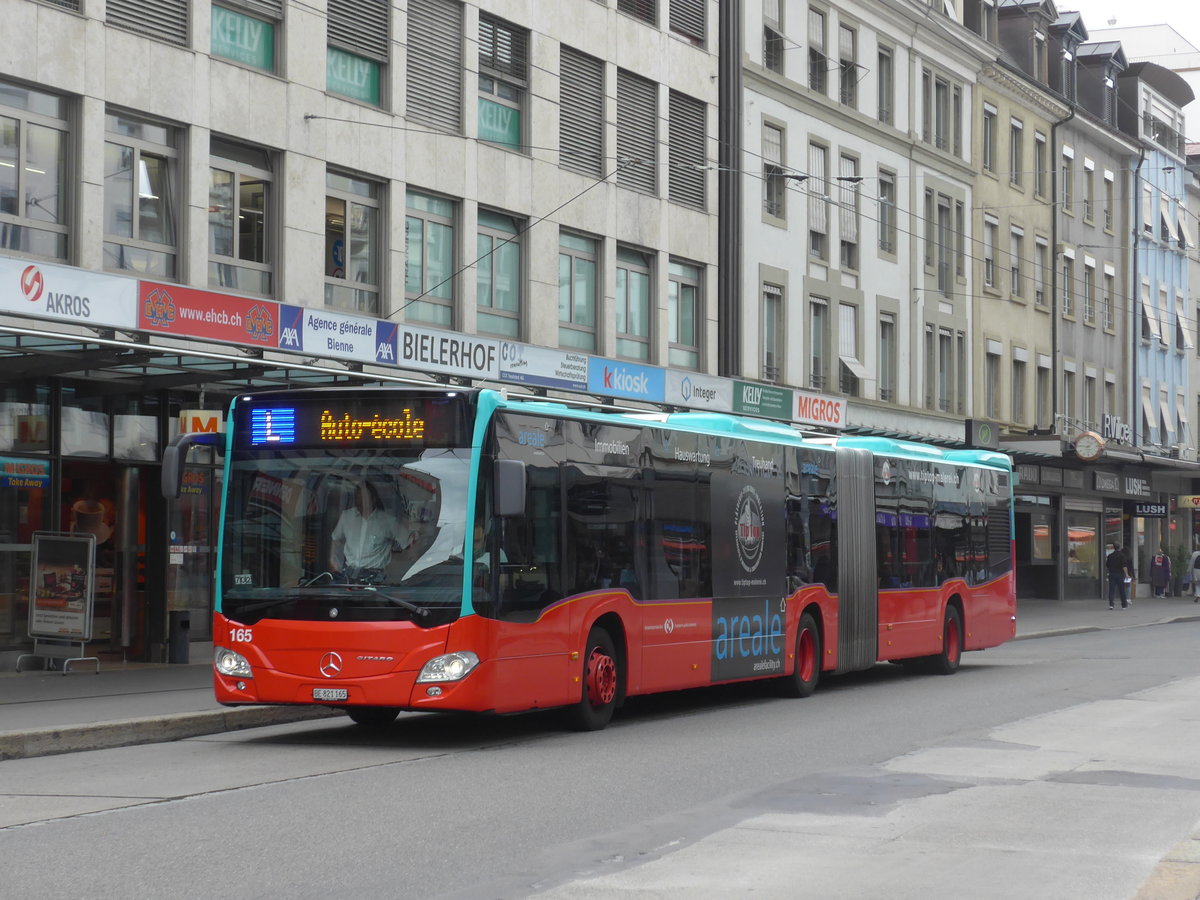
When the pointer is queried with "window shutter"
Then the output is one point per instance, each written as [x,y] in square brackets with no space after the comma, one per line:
[642,9]
[503,49]
[65,4]
[637,118]
[435,64]
[360,27]
[687,133]
[581,112]
[687,18]
[268,9]
[166,20]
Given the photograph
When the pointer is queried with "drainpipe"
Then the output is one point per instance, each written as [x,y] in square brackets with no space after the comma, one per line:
[1055,309]
[729,192]
[1135,300]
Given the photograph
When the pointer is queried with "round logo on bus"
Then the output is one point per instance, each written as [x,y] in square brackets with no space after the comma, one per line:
[748,525]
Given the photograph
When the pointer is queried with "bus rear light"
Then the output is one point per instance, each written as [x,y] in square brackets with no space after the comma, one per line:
[448,667]
[229,663]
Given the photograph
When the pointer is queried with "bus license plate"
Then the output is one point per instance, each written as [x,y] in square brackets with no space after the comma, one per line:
[330,693]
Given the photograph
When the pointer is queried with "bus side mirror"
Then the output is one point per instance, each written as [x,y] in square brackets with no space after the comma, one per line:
[509,499]
[176,454]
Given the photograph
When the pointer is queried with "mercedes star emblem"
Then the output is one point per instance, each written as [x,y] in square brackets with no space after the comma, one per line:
[331,665]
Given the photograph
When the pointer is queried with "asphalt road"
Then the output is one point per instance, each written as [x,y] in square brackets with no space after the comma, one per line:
[1060,767]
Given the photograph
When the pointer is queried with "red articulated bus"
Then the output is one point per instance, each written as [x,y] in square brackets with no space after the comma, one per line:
[387,549]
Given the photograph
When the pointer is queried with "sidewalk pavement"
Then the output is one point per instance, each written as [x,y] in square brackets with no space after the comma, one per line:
[47,712]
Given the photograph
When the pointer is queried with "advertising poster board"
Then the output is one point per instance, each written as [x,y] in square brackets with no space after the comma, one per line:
[62,586]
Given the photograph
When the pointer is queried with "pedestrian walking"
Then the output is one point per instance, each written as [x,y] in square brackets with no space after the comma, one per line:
[1193,575]
[1117,565]
[1160,573]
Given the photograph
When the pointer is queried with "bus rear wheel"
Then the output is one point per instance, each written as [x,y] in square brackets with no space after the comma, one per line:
[803,681]
[375,717]
[946,662]
[602,677]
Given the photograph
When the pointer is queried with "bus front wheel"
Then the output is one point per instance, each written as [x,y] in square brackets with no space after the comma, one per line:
[803,680]
[601,683]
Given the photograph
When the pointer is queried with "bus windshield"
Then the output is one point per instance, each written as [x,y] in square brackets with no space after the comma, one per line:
[362,535]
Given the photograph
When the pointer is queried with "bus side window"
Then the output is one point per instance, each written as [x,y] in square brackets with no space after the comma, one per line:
[602,533]
[530,558]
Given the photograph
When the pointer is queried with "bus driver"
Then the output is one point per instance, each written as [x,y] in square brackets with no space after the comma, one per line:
[366,536]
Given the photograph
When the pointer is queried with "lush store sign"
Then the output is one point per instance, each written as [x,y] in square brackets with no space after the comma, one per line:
[243,39]
[352,76]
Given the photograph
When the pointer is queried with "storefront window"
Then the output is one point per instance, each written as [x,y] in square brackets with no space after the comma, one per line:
[24,509]
[25,419]
[1084,552]
[85,425]
[190,550]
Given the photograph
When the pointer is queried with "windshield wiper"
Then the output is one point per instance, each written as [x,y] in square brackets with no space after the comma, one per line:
[399,601]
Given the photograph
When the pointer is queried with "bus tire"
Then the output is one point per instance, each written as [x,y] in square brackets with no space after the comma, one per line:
[803,680]
[374,717]
[946,662]
[602,678]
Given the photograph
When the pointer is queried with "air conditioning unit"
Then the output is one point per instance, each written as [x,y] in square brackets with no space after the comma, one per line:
[1175,451]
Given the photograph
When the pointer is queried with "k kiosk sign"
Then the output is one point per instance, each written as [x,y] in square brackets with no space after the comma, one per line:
[749,552]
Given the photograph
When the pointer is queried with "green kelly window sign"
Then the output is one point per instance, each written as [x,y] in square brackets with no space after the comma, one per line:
[243,39]
[498,123]
[352,76]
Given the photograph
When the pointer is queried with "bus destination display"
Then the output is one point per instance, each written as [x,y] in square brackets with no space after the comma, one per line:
[357,422]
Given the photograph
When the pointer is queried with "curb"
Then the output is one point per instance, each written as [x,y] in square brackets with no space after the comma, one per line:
[149,730]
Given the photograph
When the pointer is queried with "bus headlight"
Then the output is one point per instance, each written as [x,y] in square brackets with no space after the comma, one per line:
[229,663]
[449,667]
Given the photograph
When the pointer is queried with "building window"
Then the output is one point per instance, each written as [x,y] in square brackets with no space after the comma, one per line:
[960,340]
[140,186]
[1068,183]
[1090,417]
[887,357]
[646,10]
[818,62]
[774,182]
[1089,292]
[851,372]
[637,132]
[941,113]
[956,121]
[926,105]
[576,292]
[684,315]
[164,20]
[849,181]
[1106,300]
[352,234]
[1109,200]
[243,38]
[429,259]
[773,43]
[357,55]
[241,218]
[818,343]
[687,19]
[34,197]
[499,280]
[818,204]
[930,232]
[886,84]
[992,386]
[1016,138]
[960,231]
[1016,251]
[945,380]
[945,245]
[1041,251]
[1042,395]
[1018,390]
[989,138]
[848,66]
[1069,406]
[1039,164]
[990,227]
[772,332]
[503,81]
[633,304]
[581,112]
[688,169]
[930,368]
[1089,192]
[887,212]
[1068,286]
